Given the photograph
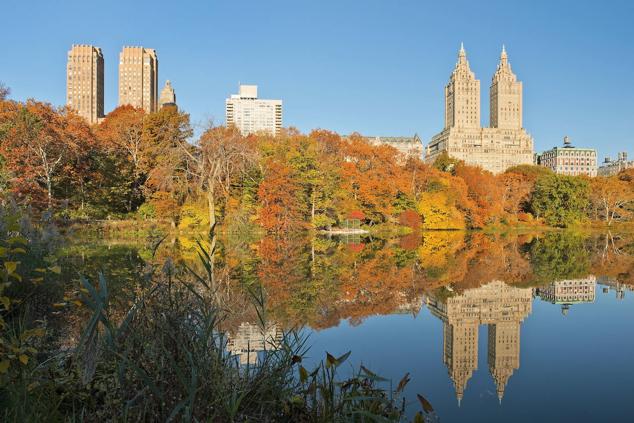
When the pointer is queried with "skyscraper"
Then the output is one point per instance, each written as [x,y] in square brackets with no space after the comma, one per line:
[250,114]
[168,96]
[502,145]
[84,81]
[138,78]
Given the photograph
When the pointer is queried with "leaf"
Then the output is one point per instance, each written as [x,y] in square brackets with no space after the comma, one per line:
[403,383]
[4,366]
[24,359]
[56,269]
[10,266]
[303,374]
[330,359]
[18,250]
[426,404]
[418,418]
[343,358]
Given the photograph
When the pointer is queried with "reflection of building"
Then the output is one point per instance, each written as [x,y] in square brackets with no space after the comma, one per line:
[138,78]
[505,143]
[249,339]
[612,167]
[409,146]
[569,292]
[502,308]
[250,114]
[609,283]
[84,82]
[570,160]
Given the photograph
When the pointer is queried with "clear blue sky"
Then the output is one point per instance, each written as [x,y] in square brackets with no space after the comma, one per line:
[376,67]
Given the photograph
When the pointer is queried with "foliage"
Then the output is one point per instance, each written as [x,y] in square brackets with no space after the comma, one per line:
[560,200]
[27,276]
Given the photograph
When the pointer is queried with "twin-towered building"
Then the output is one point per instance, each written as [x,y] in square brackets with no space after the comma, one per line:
[505,143]
[138,80]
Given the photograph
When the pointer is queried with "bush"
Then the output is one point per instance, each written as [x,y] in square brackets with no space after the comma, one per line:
[147,211]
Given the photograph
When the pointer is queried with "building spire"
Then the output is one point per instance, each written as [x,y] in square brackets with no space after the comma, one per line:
[462,54]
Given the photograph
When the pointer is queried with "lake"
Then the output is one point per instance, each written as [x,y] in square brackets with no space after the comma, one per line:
[490,327]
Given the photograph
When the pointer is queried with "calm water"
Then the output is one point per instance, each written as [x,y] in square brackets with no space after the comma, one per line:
[516,328]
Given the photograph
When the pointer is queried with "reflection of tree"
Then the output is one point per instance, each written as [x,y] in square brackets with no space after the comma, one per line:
[613,256]
[320,281]
[559,255]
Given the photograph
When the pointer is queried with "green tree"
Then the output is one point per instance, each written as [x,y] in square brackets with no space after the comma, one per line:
[560,200]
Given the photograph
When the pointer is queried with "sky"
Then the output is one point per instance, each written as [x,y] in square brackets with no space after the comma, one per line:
[376,67]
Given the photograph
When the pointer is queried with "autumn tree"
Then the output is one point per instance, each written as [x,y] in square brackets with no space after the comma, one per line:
[485,193]
[224,157]
[42,145]
[610,196]
[121,137]
[280,207]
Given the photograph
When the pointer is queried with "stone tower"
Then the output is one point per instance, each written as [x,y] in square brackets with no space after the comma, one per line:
[168,96]
[505,97]
[462,96]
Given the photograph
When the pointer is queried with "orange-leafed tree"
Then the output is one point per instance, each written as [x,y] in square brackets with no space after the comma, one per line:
[280,208]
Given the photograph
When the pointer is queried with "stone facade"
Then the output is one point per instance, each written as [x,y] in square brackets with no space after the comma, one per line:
[409,146]
[138,78]
[250,114]
[168,95]
[505,143]
[570,160]
[502,308]
[84,82]
[613,167]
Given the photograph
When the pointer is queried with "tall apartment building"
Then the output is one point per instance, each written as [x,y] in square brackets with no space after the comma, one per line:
[505,143]
[138,78]
[84,81]
[250,114]
[570,160]
[613,167]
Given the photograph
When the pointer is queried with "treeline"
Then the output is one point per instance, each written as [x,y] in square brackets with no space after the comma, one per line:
[149,166]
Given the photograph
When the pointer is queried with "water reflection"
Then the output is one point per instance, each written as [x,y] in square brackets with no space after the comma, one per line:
[249,339]
[569,292]
[464,280]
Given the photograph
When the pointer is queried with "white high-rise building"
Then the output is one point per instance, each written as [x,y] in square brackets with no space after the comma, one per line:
[250,114]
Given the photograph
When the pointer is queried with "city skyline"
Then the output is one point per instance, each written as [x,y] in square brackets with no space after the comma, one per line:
[387,80]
